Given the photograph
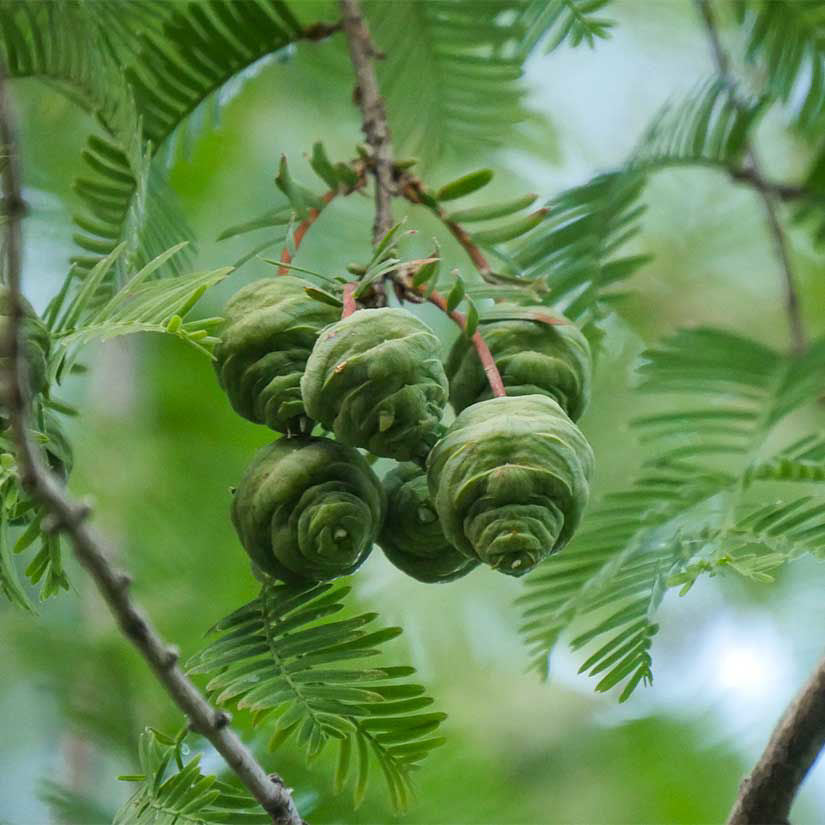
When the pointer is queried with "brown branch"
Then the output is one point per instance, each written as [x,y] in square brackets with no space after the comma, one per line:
[791,295]
[780,245]
[782,191]
[303,227]
[475,254]
[374,115]
[484,354]
[321,31]
[766,796]
[71,517]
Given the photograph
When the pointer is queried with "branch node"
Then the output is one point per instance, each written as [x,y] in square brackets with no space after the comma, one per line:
[171,657]
[123,581]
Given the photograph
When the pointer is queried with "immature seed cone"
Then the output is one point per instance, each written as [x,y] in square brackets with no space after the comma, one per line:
[35,338]
[510,481]
[532,357]
[412,538]
[308,509]
[376,380]
[270,328]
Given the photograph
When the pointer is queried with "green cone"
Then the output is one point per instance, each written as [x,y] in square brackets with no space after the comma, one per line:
[510,481]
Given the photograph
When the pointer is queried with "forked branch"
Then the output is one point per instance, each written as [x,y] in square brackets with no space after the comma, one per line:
[767,794]
[71,517]
[767,193]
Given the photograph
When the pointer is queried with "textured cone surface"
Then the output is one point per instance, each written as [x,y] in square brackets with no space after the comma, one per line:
[533,358]
[376,380]
[270,328]
[412,538]
[308,509]
[35,338]
[510,481]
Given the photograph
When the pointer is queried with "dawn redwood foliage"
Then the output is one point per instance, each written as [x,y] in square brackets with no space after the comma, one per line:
[482,464]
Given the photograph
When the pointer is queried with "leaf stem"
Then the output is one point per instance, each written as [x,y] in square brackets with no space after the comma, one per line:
[753,174]
[71,517]
[412,190]
[303,228]
[350,305]
[485,356]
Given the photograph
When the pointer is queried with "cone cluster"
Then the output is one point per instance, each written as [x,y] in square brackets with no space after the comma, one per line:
[504,485]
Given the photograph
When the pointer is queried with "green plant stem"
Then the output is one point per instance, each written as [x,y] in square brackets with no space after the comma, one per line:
[753,175]
[71,517]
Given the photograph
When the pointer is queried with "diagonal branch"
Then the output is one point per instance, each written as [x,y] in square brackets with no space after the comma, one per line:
[374,115]
[767,194]
[71,516]
[767,794]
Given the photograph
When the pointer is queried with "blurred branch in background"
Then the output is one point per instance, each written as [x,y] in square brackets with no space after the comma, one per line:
[71,516]
[767,193]
[768,793]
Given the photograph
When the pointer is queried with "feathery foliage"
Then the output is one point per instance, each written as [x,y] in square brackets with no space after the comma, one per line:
[560,21]
[74,45]
[126,199]
[174,791]
[79,47]
[201,47]
[19,512]
[576,248]
[452,74]
[691,511]
[143,304]
[282,657]
[710,126]
[176,57]
[786,40]
[71,808]
[140,305]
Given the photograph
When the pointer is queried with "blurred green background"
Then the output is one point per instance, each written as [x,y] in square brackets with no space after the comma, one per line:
[158,449]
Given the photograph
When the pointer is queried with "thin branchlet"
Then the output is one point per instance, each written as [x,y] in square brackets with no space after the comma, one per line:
[768,194]
[72,518]
[767,793]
